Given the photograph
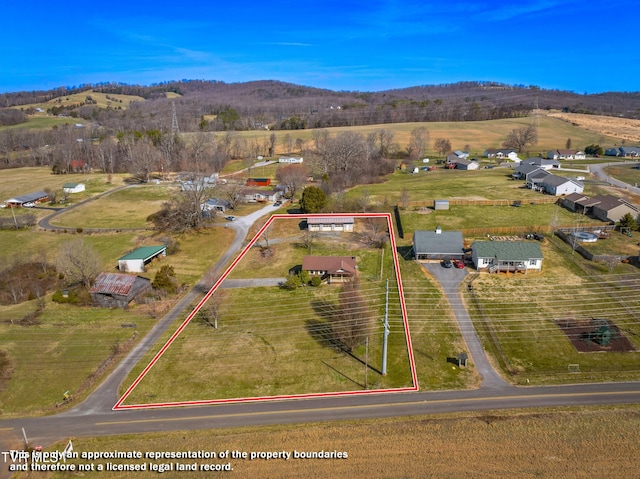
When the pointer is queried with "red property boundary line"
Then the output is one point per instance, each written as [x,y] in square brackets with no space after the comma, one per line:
[119,405]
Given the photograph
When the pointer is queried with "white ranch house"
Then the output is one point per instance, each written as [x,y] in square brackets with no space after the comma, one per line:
[506,256]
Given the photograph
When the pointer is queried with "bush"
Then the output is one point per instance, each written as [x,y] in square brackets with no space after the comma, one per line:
[316,281]
[165,279]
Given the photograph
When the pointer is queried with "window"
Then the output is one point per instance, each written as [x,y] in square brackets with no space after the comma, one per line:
[533,262]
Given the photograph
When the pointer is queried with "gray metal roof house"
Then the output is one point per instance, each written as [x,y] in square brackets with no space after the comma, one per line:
[438,244]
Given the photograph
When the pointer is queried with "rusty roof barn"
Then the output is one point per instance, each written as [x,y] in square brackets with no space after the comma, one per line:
[115,290]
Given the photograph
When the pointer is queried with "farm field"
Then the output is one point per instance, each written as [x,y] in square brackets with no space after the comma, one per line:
[128,208]
[67,349]
[590,442]
[478,135]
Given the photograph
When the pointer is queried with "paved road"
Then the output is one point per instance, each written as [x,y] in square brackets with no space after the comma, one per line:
[598,171]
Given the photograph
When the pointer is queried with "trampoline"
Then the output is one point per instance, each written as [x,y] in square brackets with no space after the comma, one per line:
[585,236]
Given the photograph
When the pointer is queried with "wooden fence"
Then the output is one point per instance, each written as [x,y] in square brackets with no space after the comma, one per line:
[523,230]
[542,200]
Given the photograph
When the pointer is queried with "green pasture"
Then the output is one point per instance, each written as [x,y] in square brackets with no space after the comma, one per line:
[60,353]
[517,317]
[128,208]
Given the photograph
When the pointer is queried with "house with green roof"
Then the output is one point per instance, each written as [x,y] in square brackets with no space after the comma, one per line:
[506,256]
[136,260]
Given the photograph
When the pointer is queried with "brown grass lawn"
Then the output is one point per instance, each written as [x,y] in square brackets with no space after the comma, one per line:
[562,443]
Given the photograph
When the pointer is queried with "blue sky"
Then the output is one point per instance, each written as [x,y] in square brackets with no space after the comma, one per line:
[576,45]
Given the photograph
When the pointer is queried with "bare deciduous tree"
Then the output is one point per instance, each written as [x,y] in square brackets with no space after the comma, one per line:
[79,262]
[293,177]
[442,146]
[418,142]
[352,320]
[520,138]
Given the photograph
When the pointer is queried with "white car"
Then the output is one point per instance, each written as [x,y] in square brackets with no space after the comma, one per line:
[230,218]
[29,204]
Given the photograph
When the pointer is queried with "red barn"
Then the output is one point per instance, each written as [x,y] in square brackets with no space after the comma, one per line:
[259,182]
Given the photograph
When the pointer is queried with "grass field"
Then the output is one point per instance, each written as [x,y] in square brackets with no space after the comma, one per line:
[567,443]
[271,341]
[128,208]
[518,315]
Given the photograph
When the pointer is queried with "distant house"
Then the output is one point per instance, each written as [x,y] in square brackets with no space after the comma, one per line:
[249,195]
[570,201]
[544,163]
[116,290]
[330,223]
[73,187]
[560,186]
[613,209]
[506,256]
[36,197]
[524,171]
[613,152]
[291,159]
[566,155]
[78,166]
[135,261]
[461,163]
[215,204]
[333,269]
[629,151]
[605,207]
[258,182]
[437,245]
[501,154]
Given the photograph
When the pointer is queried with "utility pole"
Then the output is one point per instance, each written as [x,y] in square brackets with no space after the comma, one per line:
[386,331]
[366,362]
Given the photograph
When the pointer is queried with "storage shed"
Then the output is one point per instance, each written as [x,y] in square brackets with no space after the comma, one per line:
[135,261]
[73,187]
[116,290]
[441,204]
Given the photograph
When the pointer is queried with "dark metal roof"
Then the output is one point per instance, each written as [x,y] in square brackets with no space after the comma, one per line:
[38,195]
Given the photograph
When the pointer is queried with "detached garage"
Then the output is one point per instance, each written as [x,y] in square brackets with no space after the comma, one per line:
[135,261]
[437,245]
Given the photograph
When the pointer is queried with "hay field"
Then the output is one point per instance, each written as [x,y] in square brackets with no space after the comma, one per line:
[608,126]
[560,443]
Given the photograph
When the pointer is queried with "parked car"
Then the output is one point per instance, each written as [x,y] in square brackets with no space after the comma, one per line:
[29,204]
[230,218]
[458,263]
[446,263]
[278,203]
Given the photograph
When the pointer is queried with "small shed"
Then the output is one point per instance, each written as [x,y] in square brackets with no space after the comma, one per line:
[135,261]
[441,204]
[116,290]
[73,187]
